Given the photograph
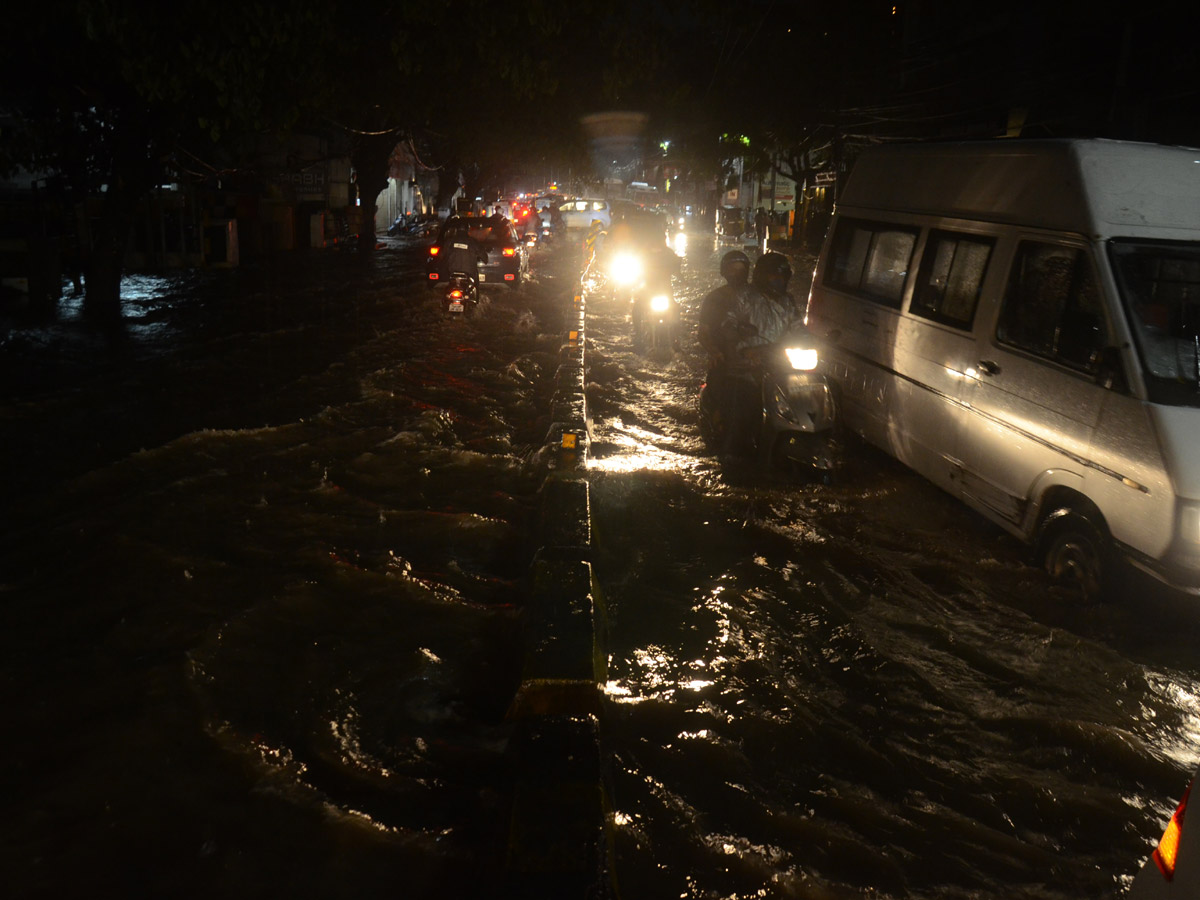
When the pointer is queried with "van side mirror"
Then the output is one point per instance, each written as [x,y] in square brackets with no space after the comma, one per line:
[1108,370]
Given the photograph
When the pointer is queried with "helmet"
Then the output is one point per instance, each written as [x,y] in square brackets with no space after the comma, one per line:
[735,266]
[772,272]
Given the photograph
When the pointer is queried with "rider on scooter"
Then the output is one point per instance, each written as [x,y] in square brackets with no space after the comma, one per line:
[735,320]
[772,273]
[462,253]
[718,324]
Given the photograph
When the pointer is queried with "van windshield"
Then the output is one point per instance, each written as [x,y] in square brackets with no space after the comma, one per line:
[1160,288]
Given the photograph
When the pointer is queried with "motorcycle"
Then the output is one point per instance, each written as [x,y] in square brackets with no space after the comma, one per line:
[784,409]
[653,310]
[655,316]
[461,294]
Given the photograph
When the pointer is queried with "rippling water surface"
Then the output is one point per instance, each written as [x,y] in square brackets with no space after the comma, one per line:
[861,689]
[262,593]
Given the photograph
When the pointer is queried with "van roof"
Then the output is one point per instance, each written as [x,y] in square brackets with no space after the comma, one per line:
[1096,187]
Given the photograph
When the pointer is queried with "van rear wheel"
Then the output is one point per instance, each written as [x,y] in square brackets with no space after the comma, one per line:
[1075,552]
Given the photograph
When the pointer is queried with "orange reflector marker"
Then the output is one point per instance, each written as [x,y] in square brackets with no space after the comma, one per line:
[569,440]
[573,337]
[1168,846]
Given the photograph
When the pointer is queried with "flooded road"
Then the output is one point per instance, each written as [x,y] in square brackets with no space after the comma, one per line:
[262,589]
[859,689]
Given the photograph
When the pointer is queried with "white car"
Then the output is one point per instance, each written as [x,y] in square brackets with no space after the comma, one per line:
[580,213]
[1173,869]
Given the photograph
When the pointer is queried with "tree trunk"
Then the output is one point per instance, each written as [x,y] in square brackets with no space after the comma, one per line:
[105,262]
[370,158]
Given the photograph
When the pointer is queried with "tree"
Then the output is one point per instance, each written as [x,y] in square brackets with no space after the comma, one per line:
[123,91]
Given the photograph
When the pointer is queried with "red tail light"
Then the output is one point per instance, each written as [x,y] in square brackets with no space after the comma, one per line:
[433,276]
[433,251]
[509,276]
[509,251]
[1168,846]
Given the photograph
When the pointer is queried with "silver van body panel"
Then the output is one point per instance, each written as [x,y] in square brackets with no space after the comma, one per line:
[1092,187]
[993,424]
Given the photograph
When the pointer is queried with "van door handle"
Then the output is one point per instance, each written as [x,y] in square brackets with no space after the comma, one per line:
[987,367]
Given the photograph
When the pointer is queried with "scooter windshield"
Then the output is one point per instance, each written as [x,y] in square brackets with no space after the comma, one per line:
[1160,289]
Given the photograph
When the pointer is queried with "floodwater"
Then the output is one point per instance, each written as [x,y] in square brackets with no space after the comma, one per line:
[262,589]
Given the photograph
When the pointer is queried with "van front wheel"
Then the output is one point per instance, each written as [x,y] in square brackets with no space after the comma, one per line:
[1075,552]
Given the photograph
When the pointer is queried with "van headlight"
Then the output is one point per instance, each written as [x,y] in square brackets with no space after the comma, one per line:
[660,303]
[1189,525]
[1185,549]
[803,358]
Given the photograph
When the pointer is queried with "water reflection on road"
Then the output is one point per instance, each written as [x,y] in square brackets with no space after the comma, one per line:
[262,593]
[861,688]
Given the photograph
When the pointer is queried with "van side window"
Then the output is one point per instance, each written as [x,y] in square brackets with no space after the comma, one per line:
[871,259]
[1052,305]
[951,277]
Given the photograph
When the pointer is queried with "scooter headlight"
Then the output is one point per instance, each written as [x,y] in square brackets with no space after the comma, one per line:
[660,303]
[804,358]
[625,269]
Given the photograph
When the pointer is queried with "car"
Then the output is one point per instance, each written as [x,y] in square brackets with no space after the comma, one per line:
[579,213]
[507,255]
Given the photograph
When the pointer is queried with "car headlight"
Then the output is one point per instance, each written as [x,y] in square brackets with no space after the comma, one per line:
[804,358]
[660,303]
[625,269]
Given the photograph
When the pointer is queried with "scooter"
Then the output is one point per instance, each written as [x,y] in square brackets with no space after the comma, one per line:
[653,311]
[655,316]
[461,294]
[793,419]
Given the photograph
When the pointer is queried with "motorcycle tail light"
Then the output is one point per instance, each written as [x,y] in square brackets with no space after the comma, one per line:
[433,251]
[804,358]
[456,295]
[1168,846]
[509,251]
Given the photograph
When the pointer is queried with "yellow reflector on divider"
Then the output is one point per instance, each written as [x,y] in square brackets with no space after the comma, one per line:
[568,440]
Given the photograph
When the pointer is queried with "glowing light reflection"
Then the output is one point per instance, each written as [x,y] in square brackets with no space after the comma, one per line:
[1181,744]
[638,453]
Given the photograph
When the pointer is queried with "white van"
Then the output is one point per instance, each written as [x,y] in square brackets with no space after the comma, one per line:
[1019,321]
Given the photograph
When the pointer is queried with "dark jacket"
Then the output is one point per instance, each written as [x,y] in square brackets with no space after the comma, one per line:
[463,255]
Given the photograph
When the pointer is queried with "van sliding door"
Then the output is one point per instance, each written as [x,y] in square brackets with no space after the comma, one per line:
[1032,397]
